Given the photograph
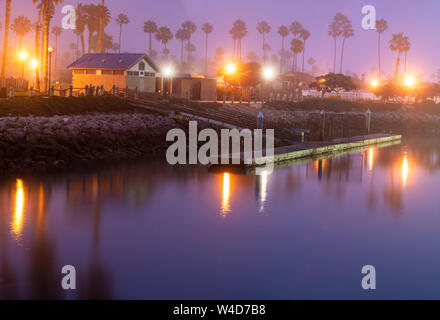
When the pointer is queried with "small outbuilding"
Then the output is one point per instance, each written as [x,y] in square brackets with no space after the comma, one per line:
[132,70]
[194,87]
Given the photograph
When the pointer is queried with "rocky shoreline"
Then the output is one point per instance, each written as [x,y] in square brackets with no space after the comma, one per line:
[44,143]
[61,141]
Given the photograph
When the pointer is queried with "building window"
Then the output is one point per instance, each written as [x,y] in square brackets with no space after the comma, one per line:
[142,66]
[107,71]
[79,71]
[91,71]
[118,72]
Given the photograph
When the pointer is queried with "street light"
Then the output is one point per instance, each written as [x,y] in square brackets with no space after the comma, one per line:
[50,50]
[168,73]
[410,81]
[231,68]
[374,83]
[22,56]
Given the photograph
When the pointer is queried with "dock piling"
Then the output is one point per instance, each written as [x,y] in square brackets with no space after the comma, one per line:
[260,120]
[368,118]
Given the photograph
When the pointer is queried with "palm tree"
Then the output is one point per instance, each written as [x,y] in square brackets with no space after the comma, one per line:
[182,35]
[101,26]
[335,31]
[190,27]
[80,22]
[398,43]
[305,35]
[347,32]
[21,26]
[238,32]
[207,28]
[263,27]
[120,20]
[150,27]
[406,48]
[164,35]
[296,29]
[296,46]
[56,31]
[283,31]
[92,18]
[381,27]
[5,39]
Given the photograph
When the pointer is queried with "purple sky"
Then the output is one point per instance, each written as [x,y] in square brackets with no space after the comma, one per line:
[418,19]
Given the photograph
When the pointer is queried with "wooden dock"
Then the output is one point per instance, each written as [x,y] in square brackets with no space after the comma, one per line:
[311,151]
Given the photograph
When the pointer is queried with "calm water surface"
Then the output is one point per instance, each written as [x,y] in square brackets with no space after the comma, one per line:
[150,231]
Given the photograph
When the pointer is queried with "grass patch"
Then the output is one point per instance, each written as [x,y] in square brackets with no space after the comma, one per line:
[50,106]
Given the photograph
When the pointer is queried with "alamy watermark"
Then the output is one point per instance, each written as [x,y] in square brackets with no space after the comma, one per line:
[217,151]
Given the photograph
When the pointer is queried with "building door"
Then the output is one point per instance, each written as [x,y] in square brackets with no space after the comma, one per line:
[141,84]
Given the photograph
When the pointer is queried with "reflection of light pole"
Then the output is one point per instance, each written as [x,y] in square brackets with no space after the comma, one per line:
[50,50]
[22,56]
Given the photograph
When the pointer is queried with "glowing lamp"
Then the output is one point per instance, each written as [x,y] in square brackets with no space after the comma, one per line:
[50,49]
[23,55]
[374,83]
[168,72]
[268,73]
[409,81]
[231,68]
[34,64]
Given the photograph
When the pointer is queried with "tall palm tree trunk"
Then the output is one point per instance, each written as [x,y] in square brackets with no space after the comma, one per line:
[334,55]
[304,52]
[5,41]
[83,47]
[233,53]
[378,55]
[342,55]
[282,56]
[264,49]
[101,28]
[37,46]
[56,53]
[206,55]
[120,35]
[46,29]
[404,68]
[150,41]
[181,52]
[396,71]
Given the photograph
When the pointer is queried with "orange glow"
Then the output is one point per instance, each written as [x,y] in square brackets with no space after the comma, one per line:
[405,170]
[231,68]
[374,83]
[410,81]
[33,64]
[370,159]
[17,219]
[226,190]
[22,55]
[268,73]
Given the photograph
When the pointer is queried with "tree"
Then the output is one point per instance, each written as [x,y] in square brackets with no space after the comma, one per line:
[253,57]
[121,19]
[191,28]
[93,14]
[296,29]
[263,27]
[101,27]
[398,43]
[5,39]
[21,26]
[332,82]
[163,35]
[108,42]
[296,46]
[283,31]
[238,32]
[56,31]
[305,35]
[347,32]
[150,27]
[335,31]
[182,35]
[381,27]
[207,28]
[406,48]
[81,25]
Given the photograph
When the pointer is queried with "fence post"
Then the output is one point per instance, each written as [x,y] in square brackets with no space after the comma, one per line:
[135,93]
[322,135]
[102,90]
[260,120]
[11,92]
[117,91]
[215,96]
[114,90]
[52,91]
[302,136]
[70,91]
[126,91]
[86,89]
[241,97]
[31,92]
[233,97]
[368,121]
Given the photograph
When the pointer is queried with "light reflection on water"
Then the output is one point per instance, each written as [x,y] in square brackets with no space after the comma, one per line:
[153,231]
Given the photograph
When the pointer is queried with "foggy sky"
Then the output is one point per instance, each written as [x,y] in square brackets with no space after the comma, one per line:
[417,19]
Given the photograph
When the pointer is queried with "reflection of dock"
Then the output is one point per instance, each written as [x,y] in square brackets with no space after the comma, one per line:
[311,151]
